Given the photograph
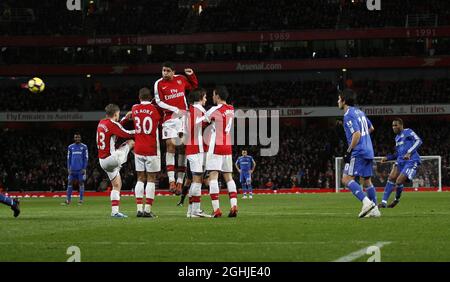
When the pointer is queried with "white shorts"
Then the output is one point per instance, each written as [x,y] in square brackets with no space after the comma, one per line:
[172,127]
[147,163]
[222,163]
[196,162]
[112,164]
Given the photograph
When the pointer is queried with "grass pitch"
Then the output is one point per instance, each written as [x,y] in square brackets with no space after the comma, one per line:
[298,227]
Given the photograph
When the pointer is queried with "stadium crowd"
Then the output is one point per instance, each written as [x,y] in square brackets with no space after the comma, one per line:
[262,94]
[201,53]
[35,159]
[140,17]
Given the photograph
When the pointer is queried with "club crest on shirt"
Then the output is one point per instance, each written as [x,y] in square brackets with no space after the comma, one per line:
[179,82]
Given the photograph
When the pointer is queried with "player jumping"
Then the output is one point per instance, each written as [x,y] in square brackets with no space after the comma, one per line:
[407,161]
[219,156]
[245,164]
[111,160]
[359,156]
[147,156]
[77,161]
[170,97]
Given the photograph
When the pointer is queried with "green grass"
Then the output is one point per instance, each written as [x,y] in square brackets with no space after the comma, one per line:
[301,227]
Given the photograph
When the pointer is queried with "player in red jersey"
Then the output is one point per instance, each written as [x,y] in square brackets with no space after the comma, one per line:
[195,150]
[147,156]
[170,97]
[111,160]
[219,156]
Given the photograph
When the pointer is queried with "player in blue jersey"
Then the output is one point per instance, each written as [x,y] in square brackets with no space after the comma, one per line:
[359,155]
[245,164]
[407,161]
[77,160]
[13,203]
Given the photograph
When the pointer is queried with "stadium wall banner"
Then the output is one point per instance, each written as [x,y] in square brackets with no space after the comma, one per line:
[50,116]
[233,66]
[442,109]
[225,37]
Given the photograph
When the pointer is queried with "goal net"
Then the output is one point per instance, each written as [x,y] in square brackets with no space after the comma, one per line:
[428,175]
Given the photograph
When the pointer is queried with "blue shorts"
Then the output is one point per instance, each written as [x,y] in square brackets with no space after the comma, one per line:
[359,167]
[245,178]
[408,168]
[78,175]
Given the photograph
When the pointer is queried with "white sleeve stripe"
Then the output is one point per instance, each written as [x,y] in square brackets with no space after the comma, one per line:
[122,119]
[123,129]
[413,147]
[200,119]
[158,100]
[167,106]
[210,111]
[155,88]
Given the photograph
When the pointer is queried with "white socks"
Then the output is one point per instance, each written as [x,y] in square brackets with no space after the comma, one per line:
[139,193]
[115,201]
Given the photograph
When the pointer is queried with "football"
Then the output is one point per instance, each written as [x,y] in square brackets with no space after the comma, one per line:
[36,85]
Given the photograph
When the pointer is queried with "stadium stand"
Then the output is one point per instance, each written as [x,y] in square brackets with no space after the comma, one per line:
[263,94]
[119,17]
[41,161]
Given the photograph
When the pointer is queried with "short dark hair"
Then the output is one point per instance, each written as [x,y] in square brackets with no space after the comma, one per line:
[399,120]
[145,94]
[77,133]
[168,64]
[111,109]
[348,96]
[197,95]
[222,92]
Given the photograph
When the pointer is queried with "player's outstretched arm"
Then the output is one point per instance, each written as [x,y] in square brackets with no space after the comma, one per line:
[391,157]
[126,118]
[118,130]
[191,79]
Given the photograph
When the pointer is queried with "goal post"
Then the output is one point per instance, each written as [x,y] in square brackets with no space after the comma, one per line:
[429,173]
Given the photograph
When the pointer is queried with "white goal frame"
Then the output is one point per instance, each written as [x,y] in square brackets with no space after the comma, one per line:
[338,169]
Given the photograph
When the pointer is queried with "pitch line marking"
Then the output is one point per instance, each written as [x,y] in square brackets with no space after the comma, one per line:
[360,253]
[177,243]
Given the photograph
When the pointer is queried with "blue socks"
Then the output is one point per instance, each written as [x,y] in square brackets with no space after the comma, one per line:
[250,189]
[6,200]
[81,192]
[388,190]
[372,194]
[69,193]
[398,192]
[356,190]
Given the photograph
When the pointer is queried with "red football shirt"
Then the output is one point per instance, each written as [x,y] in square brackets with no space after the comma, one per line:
[146,120]
[107,133]
[197,120]
[170,94]
[222,117]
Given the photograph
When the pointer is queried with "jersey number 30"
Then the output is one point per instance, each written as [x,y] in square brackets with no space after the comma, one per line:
[147,125]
